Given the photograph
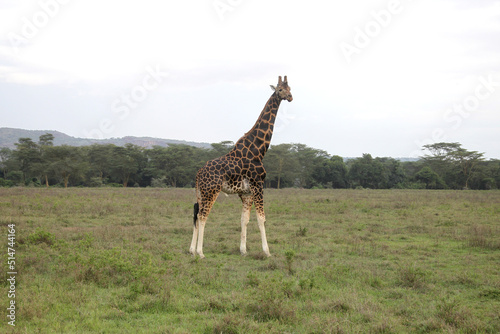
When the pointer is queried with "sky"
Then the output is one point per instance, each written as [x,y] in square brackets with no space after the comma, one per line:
[378,77]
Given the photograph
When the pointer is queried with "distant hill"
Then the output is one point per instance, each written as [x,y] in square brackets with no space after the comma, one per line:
[10,136]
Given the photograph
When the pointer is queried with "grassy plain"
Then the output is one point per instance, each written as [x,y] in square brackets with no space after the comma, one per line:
[344,261]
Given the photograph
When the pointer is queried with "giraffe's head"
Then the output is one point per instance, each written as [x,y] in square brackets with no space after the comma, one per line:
[283,90]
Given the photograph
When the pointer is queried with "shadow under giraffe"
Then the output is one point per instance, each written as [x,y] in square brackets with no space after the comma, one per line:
[239,172]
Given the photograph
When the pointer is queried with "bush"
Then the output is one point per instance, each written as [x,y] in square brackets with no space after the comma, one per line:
[15,176]
[6,183]
[301,232]
[41,236]
[96,182]
[160,182]
[430,178]
[289,255]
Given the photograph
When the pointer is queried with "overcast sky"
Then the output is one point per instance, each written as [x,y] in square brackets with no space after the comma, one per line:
[378,77]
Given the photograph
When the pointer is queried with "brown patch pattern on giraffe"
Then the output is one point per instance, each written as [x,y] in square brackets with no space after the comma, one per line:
[240,172]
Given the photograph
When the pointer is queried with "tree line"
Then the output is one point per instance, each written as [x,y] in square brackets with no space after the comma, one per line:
[444,166]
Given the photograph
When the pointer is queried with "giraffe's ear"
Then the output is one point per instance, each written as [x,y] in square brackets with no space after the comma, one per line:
[273,88]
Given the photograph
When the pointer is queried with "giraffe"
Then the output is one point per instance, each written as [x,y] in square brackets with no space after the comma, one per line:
[239,172]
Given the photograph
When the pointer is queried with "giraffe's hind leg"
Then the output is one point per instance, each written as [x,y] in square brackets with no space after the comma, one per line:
[201,231]
[205,205]
[192,248]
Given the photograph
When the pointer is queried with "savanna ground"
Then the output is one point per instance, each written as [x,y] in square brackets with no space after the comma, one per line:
[344,261]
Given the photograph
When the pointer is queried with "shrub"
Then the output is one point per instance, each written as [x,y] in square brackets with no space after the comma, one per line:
[160,182]
[41,236]
[289,255]
[302,231]
[96,182]
[6,183]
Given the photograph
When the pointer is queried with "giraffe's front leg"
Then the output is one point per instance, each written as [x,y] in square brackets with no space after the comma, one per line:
[192,248]
[245,217]
[261,219]
[258,198]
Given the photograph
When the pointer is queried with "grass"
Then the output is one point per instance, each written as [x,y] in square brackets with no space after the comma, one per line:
[344,261]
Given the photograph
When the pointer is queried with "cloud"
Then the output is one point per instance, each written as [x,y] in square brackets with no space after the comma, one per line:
[27,76]
[429,57]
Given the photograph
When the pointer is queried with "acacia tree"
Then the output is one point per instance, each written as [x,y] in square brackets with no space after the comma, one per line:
[157,162]
[5,157]
[453,163]
[175,165]
[126,162]
[280,165]
[99,157]
[44,143]
[308,159]
[28,156]
[182,164]
[439,153]
[467,161]
[65,162]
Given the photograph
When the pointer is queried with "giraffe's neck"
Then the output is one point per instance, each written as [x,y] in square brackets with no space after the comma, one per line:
[258,139]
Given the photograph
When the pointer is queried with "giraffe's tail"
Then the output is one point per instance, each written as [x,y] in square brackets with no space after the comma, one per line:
[195,213]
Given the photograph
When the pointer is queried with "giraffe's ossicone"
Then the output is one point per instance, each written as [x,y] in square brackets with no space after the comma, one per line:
[239,172]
